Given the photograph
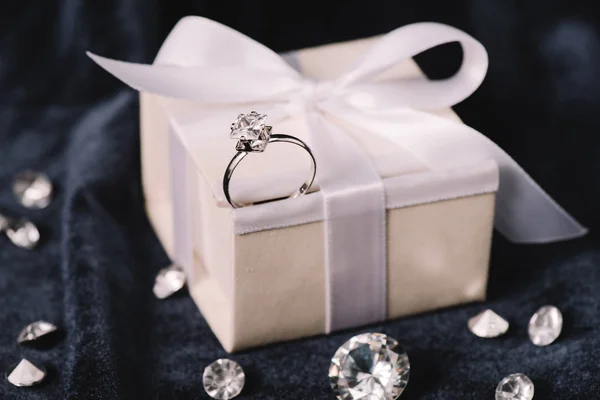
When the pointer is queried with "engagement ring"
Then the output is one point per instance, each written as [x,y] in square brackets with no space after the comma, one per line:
[253,136]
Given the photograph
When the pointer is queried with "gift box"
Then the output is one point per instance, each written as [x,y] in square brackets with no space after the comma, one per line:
[400,218]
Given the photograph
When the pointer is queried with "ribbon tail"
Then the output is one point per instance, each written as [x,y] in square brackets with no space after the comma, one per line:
[525,213]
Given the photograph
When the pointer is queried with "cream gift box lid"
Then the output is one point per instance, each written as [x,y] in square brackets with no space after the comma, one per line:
[282,168]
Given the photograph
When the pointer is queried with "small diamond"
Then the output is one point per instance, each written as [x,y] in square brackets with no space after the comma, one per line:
[35,331]
[545,325]
[223,379]
[488,324]
[33,190]
[515,387]
[371,366]
[169,281]
[25,373]
[23,233]
[248,126]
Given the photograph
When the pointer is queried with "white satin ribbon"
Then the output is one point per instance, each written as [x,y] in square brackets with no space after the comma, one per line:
[207,62]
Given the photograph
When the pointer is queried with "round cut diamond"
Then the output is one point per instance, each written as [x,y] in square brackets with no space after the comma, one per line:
[371,366]
[169,281]
[223,379]
[25,373]
[23,234]
[35,331]
[33,190]
[545,325]
[515,387]
[488,324]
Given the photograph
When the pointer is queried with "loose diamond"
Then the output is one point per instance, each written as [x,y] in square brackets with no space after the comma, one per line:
[35,331]
[248,126]
[223,379]
[169,281]
[32,189]
[371,366]
[488,324]
[515,387]
[25,373]
[545,325]
[23,234]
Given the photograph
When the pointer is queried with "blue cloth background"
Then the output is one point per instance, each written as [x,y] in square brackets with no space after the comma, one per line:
[93,272]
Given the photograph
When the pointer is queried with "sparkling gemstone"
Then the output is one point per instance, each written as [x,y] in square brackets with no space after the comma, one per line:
[515,387]
[169,281]
[35,331]
[223,379]
[33,190]
[23,233]
[545,325]
[248,126]
[488,324]
[25,373]
[370,366]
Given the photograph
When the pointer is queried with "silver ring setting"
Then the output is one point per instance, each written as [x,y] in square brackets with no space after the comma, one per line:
[253,136]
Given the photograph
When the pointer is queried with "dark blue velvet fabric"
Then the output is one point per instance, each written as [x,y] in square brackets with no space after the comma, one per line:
[92,274]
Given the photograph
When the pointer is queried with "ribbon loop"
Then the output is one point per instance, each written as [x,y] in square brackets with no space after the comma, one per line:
[310,96]
[421,93]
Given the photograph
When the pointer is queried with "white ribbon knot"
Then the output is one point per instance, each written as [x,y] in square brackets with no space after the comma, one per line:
[311,94]
[207,62]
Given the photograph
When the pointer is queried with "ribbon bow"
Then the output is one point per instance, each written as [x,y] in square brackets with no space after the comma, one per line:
[207,62]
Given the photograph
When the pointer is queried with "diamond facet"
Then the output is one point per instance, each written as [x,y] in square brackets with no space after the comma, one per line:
[515,387]
[488,324]
[248,126]
[35,331]
[223,379]
[545,325]
[370,366]
[23,233]
[25,373]
[33,190]
[169,281]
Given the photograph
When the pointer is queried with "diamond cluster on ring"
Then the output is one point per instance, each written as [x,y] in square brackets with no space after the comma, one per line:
[251,132]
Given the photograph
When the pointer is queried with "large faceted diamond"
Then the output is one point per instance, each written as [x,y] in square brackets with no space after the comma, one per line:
[248,126]
[223,379]
[371,366]
[515,387]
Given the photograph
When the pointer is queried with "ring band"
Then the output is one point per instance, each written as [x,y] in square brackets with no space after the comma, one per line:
[253,137]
